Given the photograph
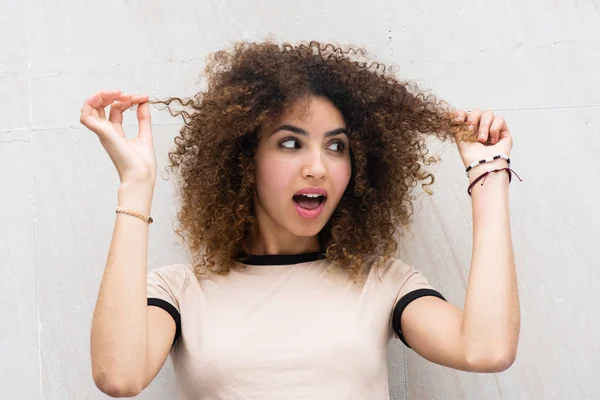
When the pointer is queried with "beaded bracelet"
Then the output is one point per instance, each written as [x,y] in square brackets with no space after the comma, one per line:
[485,160]
[485,174]
[124,210]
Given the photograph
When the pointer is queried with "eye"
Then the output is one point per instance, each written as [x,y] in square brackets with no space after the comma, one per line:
[340,149]
[342,146]
[286,140]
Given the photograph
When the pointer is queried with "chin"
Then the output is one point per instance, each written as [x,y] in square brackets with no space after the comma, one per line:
[305,231]
[304,227]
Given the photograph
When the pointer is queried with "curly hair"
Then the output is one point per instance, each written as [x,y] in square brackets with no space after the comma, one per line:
[214,154]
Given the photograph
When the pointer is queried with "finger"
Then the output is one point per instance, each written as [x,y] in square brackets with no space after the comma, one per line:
[461,115]
[107,98]
[144,120]
[86,109]
[95,124]
[140,98]
[90,117]
[99,100]
[89,107]
[121,97]
[473,122]
[115,115]
[487,117]
[103,100]
[495,129]
[88,120]
[505,134]
[92,112]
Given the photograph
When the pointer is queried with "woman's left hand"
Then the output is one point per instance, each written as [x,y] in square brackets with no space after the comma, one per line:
[493,136]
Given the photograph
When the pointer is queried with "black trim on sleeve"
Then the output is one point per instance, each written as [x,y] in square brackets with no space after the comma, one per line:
[405,301]
[168,307]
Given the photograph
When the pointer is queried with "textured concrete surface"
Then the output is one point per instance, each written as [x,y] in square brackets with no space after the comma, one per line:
[534,63]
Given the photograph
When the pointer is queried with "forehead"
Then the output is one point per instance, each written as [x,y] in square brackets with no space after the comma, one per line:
[312,110]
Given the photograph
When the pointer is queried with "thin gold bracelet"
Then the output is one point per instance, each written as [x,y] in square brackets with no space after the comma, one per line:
[124,210]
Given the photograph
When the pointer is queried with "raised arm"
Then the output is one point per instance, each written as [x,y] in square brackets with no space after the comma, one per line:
[483,337]
[129,340]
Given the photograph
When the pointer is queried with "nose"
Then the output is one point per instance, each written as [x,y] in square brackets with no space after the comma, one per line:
[314,167]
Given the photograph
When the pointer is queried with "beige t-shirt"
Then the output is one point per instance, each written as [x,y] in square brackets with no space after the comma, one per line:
[287,327]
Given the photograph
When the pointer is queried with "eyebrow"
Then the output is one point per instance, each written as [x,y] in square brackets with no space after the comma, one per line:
[301,131]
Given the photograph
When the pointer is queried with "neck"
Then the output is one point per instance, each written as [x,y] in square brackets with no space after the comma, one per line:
[259,243]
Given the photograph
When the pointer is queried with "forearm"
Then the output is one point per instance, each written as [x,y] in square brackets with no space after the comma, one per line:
[491,319]
[119,327]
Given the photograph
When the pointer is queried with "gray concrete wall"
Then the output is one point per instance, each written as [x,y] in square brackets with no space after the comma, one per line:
[534,63]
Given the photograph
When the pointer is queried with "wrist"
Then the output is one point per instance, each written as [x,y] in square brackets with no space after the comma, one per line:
[488,166]
[136,196]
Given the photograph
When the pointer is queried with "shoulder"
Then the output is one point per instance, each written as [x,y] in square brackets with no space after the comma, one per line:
[174,276]
[397,277]
[389,268]
[172,271]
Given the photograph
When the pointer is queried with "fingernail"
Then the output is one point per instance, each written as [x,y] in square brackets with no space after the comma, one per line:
[471,128]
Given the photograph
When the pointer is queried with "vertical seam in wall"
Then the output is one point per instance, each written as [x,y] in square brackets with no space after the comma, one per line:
[37,297]
[32,138]
[498,386]
[388,10]
[28,27]
[405,376]
[390,48]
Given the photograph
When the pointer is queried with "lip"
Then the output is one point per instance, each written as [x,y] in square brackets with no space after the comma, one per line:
[309,214]
[312,190]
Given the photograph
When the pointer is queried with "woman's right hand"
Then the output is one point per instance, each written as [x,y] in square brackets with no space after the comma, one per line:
[134,159]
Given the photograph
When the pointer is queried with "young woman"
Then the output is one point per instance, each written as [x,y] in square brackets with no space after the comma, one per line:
[295,169]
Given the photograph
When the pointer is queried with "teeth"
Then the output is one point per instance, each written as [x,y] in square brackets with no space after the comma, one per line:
[311,195]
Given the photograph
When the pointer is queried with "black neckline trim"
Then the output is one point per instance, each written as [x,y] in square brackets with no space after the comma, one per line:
[282,259]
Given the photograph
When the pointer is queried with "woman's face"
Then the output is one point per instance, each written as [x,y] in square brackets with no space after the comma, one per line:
[298,151]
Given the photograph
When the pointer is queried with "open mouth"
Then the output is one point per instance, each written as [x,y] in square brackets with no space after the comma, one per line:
[309,202]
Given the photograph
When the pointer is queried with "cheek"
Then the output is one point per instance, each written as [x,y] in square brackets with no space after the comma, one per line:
[274,176]
[341,177]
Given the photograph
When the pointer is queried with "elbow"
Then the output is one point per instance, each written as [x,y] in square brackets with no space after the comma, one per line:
[116,387]
[494,362]
[502,363]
